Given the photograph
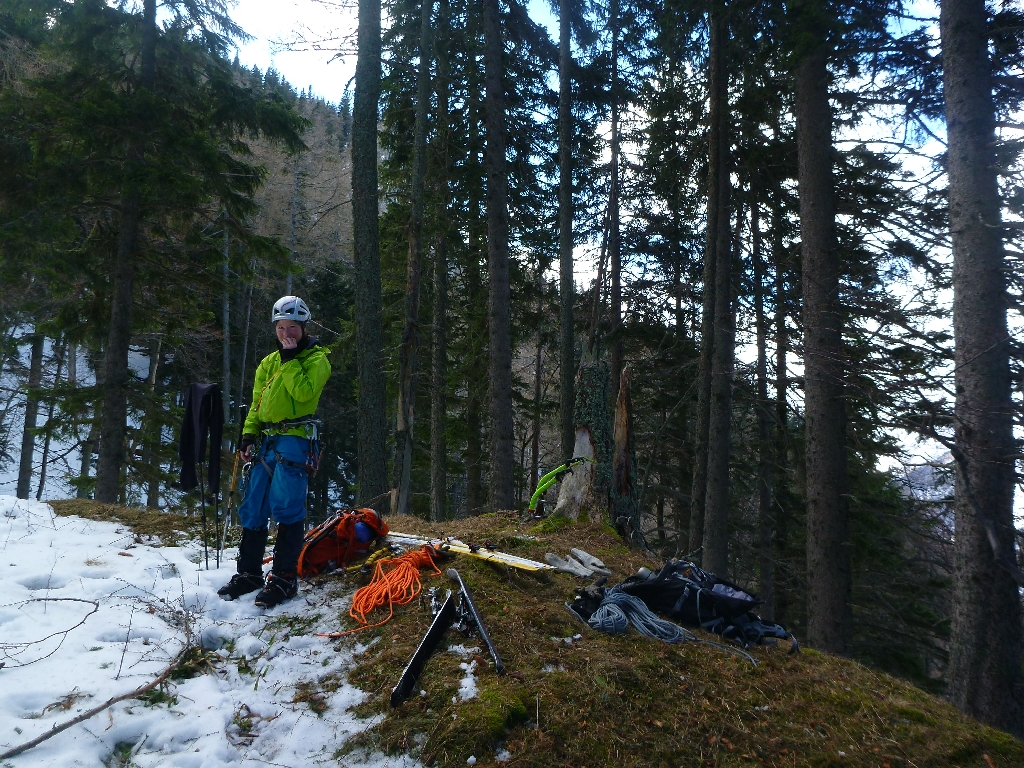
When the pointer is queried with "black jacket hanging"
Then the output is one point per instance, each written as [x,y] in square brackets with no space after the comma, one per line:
[204,417]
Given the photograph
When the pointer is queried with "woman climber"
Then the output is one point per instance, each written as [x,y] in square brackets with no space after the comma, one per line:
[280,440]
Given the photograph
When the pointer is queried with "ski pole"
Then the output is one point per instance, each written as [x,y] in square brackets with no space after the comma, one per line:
[231,506]
[202,496]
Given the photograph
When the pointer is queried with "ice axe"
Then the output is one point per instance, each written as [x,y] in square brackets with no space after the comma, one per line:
[551,478]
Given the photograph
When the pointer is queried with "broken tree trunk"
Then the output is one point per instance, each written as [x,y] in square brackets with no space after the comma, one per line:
[624,505]
[586,487]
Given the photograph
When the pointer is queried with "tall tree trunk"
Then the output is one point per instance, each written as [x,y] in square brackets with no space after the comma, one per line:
[625,508]
[28,435]
[501,487]
[716,505]
[153,428]
[409,349]
[566,285]
[781,452]
[295,216]
[828,547]
[438,386]
[439,350]
[372,462]
[985,657]
[87,445]
[699,487]
[474,448]
[72,364]
[88,450]
[535,426]
[245,343]
[61,356]
[614,240]
[475,385]
[116,375]
[766,527]
[225,364]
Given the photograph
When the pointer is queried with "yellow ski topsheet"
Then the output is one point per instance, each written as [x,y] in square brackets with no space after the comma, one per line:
[461,548]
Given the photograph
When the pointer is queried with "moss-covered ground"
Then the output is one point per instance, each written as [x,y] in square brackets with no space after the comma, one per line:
[171,528]
[598,700]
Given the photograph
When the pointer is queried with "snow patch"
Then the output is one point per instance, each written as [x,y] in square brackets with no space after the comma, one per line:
[81,624]
[467,685]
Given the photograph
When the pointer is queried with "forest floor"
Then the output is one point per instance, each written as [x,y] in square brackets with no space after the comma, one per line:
[264,688]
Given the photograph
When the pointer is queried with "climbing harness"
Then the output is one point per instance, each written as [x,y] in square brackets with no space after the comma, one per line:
[312,427]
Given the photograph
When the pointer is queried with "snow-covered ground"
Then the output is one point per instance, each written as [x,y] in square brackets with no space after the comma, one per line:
[88,611]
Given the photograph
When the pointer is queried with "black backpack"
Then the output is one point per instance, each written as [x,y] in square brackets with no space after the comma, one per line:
[693,597]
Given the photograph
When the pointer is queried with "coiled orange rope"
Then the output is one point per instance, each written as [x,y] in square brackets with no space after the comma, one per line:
[396,581]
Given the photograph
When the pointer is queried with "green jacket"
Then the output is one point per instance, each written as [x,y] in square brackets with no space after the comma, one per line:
[287,391]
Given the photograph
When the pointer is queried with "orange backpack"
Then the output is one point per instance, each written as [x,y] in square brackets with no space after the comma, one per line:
[340,538]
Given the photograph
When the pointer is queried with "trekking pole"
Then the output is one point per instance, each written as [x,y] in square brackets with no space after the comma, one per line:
[243,411]
[202,497]
[216,525]
[553,477]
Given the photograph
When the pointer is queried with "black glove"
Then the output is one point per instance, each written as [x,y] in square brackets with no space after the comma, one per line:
[247,440]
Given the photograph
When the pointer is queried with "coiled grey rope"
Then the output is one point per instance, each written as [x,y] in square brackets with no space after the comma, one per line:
[618,610]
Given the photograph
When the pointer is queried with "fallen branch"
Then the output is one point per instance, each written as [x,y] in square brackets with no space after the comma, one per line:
[96,710]
[5,647]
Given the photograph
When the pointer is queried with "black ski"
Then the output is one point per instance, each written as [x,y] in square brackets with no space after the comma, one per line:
[469,606]
[428,644]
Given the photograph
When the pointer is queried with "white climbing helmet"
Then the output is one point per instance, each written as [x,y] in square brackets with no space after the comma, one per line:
[291,308]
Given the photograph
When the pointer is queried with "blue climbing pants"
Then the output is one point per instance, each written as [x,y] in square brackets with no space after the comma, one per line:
[276,488]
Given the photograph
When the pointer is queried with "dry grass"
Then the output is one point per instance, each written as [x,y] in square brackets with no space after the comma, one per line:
[632,701]
[626,700]
[171,528]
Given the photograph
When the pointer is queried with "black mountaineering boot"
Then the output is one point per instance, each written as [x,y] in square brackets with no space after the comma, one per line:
[250,565]
[282,583]
[277,590]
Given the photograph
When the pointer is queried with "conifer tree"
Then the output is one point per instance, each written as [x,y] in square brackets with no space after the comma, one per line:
[566,286]
[500,483]
[987,643]
[369,331]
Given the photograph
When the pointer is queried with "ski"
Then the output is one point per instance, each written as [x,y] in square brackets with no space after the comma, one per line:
[461,548]
[442,621]
[468,606]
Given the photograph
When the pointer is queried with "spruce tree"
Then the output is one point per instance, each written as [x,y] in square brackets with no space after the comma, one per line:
[987,643]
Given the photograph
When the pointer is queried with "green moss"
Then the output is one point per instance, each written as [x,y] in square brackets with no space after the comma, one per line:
[914,715]
[552,524]
[494,709]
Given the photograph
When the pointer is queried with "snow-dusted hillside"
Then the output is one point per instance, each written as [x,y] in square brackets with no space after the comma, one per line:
[89,611]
